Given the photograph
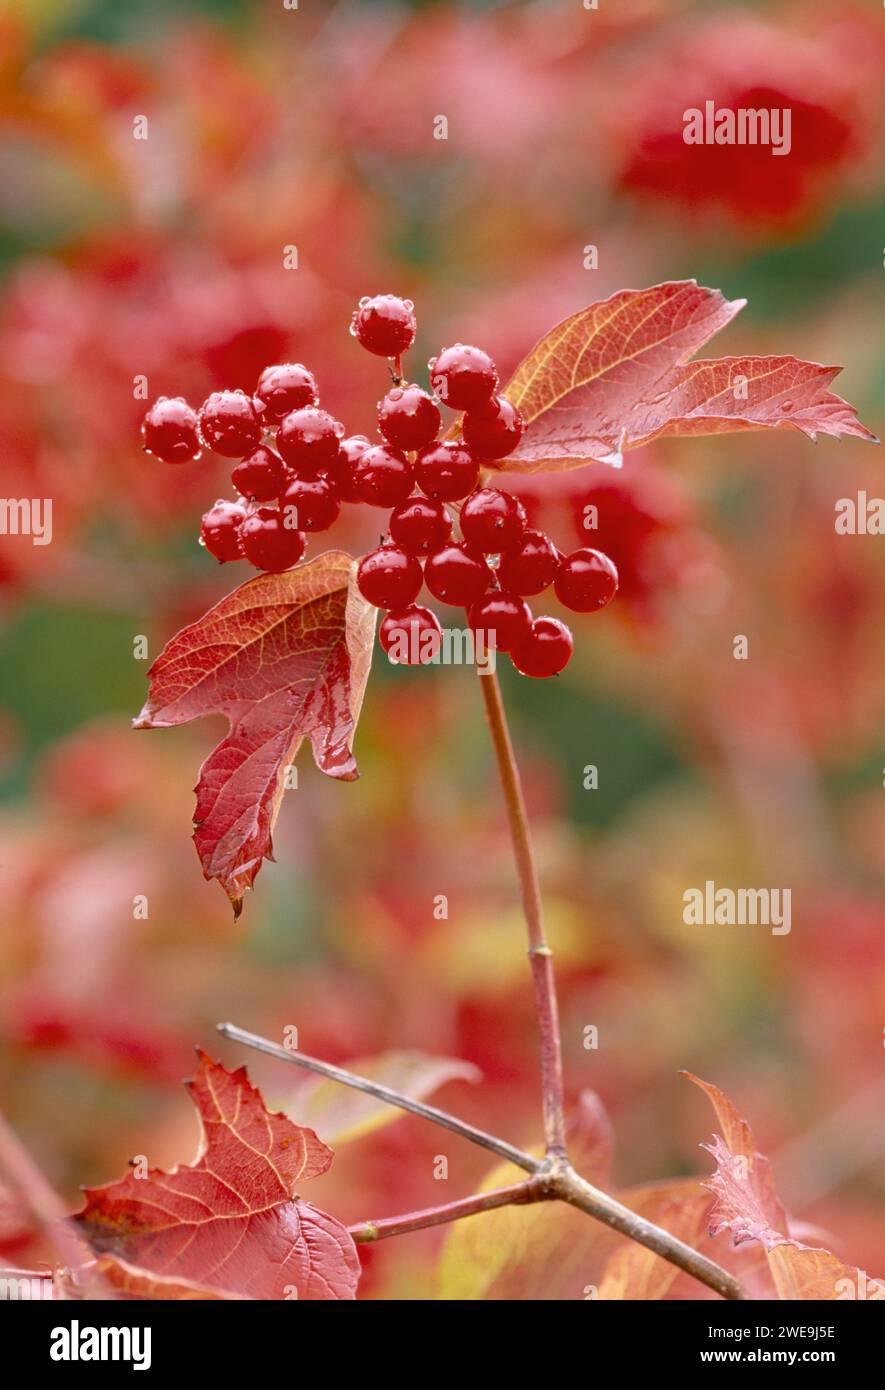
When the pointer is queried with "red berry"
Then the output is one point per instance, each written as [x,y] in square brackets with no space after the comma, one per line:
[493,431]
[290,386]
[504,618]
[268,543]
[408,418]
[389,577]
[262,476]
[446,471]
[341,473]
[310,504]
[456,576]
[420,525]
[530,565]
[492,520]
[384,324]
[545,650]
[465,378]
[309,439]
[384,476]
[169,430]
[220,530]
[586,580]
[231,423]
[411,637]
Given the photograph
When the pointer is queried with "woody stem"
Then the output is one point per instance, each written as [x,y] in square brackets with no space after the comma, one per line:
[540,955]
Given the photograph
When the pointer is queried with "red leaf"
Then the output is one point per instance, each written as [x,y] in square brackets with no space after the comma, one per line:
[747,1204]
[614,376]
[285,657]
[230,1223]
[746,1199]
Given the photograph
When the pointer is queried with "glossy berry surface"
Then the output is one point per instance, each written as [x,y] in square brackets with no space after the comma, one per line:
[446,471]
[231,423]
[261,476]
[420,525]
[504,618]
[408,418]
[341,472]
[494,431]
[310,504]
[389,577]
[268,543]
[286,387]
[169,430]
[530,565]
[586,581]
[220,530]
[411,637]
[492,520]
[545,650]
[384,476]
[455,575]
[464,378]
[384,324]
[309,439]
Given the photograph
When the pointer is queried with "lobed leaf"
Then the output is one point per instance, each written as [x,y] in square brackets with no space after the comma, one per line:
[747,1204]
[230,1223]
[284,657]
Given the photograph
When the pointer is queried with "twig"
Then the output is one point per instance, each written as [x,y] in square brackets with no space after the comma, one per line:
[559,1178]
[535,1189]
[579,1193]
[540,955]
[374,1088]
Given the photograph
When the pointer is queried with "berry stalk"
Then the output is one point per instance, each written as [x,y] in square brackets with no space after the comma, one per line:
[540,955]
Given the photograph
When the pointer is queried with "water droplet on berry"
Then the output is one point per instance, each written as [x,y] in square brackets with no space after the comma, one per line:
[409,303]
[786,405]
[352,330]
[364,300]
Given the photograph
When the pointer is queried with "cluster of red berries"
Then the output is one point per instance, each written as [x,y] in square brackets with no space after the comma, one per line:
[429,483]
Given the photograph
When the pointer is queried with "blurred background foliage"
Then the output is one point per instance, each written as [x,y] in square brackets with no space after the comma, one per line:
[163,257]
